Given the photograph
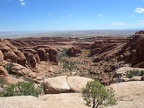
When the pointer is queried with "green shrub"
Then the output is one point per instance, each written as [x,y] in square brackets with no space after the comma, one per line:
[129,74]
[21,89]
[142,72]
[97,94]
[2,81]
[134,72]
[8,67]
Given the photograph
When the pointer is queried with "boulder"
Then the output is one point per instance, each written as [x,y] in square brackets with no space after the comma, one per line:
[53,56]
[31,60]
[74,51]
[4,47]
[23,71]
[76,83]
[41,53]
[56,85]
[64,84]
[21,59]
[10,55]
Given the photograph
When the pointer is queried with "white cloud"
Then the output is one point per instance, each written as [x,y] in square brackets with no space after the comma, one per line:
[63,17]
[139,10]
[100,16]
[132,15]
[22,2]
[73,14]
[119,24]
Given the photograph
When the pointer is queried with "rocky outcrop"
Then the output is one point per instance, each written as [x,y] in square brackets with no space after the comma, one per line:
[69,100]
[6,78]
[123,70]
[12,53]
[129,94]
[74,51]
[64,84]
[31,59]
[27,55]
[41,53]
[122,74]
[25,72]
[53,56]
[132,52]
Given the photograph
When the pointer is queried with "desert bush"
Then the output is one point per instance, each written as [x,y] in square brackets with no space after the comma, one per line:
[129,74]
[8,67]
[2,81]
[21,89]
[142,72]
[134,72]
[96,94]
[62,54]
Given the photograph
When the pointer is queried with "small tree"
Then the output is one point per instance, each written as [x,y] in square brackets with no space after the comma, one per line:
[97,94]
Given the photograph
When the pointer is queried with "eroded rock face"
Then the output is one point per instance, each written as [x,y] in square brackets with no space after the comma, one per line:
[132,52]
[53,56]
[41,53]
[12,53]
[31,59]
[25,72]
[8,79]
[74,52]
[21,59]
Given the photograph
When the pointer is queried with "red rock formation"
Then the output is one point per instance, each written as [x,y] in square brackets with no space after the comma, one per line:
[133,51]
[53,56]
[74,51]
[41,53]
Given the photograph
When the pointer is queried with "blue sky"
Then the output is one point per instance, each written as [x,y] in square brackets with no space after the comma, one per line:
[17,15]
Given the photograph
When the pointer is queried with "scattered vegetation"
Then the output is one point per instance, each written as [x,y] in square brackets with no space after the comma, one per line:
[8,67]
[21,89]
[96,94]
[2,81]
[132,73]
